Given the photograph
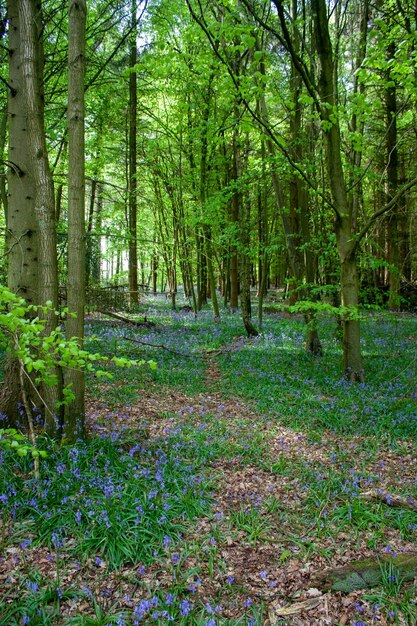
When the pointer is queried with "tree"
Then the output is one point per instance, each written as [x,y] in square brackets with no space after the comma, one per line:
[132,191]
[22,229]
[74,410]
[323,91]
[36,277]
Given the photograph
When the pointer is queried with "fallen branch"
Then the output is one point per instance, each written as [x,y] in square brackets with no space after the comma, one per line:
[215,352]
[366,573]
[390,499]
[159,346]
[126,320]
[275,611]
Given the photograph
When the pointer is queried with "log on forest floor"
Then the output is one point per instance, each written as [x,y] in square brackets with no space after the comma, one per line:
[126,320]
[366,573]
[390,499]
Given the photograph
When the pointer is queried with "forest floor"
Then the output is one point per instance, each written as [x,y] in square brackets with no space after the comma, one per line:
[271,506]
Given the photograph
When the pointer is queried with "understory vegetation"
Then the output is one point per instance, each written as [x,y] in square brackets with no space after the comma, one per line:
[214,488]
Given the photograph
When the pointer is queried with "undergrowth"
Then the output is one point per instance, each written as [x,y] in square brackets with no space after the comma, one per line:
[119,506]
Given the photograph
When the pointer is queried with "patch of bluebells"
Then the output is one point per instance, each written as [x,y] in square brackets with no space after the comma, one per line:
[273,372]
[99,486]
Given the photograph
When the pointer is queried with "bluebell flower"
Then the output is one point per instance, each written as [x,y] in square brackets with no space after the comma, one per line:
[185,607]
[33,587]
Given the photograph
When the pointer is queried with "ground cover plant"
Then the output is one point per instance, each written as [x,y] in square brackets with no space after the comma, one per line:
[214,489]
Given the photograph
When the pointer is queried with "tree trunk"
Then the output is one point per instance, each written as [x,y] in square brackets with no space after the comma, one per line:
[201,270]
[133,252]
[234,215]
[96,242]
[244,229]
[3,137]
[32,69]
[89,233]
[352,361]
[392,184]
[154,265]
[22,228]
[207,248]
[74,411]
[245,299]
[327,81]
[211,276]
[303,260]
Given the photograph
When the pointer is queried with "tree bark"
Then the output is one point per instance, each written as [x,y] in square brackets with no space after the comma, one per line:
[30,16]
[133,252]
[74,411]
[327,81]
[22,237]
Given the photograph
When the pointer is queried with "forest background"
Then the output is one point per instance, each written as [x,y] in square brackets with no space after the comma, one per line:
[219,146]
[171,164]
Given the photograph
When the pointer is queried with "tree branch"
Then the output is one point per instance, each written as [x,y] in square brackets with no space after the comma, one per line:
[387,207]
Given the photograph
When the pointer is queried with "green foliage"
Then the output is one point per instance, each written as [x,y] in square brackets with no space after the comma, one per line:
[395,598]
[22,333]
[11,439]
[253,522]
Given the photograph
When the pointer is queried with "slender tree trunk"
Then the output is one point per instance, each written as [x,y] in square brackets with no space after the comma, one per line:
[201,270]
[244,230]
[96,240]
[207,248]
[89,233]
[74,411]
[392,184]
[234,215]
[211,276]
[245,298]
[155,272]
[302,260]
[133,252]
[327,80]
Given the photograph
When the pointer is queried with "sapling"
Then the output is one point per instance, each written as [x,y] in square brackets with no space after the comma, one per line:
[39,356]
